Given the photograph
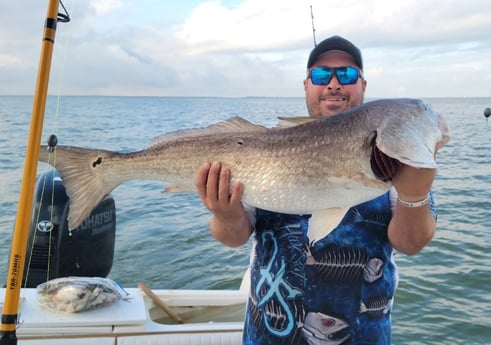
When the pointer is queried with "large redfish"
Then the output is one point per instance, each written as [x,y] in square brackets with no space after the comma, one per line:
[331,162]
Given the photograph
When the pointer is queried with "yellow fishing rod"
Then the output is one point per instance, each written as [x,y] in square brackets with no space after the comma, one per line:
[21,230]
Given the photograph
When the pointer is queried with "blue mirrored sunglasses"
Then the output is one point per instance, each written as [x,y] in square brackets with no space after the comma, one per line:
[323,75]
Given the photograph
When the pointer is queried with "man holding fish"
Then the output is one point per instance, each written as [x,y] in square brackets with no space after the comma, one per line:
[328,199]
[335,284]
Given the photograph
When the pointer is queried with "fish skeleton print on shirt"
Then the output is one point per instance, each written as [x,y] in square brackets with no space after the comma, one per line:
[338,290]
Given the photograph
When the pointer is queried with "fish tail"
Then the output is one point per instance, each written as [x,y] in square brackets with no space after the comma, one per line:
[84,174]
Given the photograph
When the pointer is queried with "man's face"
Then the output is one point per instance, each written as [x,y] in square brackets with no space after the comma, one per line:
[325,100]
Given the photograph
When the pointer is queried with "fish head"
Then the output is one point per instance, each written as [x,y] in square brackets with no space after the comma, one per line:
[412,132]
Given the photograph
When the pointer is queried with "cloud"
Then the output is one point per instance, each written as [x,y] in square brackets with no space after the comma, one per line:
[413,48]
[105,7]
[253,25]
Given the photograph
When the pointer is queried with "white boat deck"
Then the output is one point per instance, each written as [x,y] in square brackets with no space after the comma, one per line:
[211,317]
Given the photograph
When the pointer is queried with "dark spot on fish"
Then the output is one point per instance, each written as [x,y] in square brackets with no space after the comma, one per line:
[383,166]
[97,162]
[240,142]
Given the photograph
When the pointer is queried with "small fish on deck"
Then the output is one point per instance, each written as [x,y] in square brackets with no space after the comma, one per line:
[78,294]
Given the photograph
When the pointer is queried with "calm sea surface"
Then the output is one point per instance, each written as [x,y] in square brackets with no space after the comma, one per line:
[444,295]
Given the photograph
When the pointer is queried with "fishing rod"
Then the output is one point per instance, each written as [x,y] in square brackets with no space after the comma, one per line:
[21,229]
[313,27]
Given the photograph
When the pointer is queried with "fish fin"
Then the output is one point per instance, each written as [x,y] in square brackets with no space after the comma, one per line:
[236,124]
[285,122]
[175,188]
[322,222]
[233,125]
[83,175]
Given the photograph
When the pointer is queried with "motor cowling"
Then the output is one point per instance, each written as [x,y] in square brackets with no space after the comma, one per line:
[53,250]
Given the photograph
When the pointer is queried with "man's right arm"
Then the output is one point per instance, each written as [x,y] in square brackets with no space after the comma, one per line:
[229,223]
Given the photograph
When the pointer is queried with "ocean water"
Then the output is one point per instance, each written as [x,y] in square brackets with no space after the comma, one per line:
[444,295]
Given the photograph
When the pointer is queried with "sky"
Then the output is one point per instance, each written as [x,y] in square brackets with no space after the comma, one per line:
[246,48]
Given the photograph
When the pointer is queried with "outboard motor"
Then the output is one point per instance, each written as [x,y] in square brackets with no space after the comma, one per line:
[53,251]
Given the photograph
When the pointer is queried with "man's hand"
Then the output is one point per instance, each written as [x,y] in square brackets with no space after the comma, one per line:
[229,223]
[413,184]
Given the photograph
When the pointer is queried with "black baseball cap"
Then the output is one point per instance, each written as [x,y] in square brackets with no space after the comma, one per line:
[336,43]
